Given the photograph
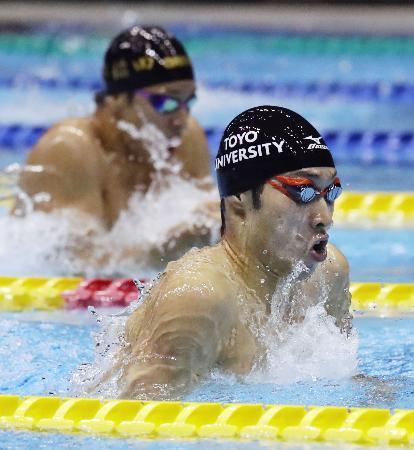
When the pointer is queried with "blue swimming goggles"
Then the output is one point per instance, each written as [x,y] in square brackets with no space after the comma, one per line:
[165,104]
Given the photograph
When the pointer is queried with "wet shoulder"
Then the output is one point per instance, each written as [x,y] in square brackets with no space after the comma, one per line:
[197,279]
[332,273]
[191,287]
[78,129]
[199,266]
[70,140]
[336,262]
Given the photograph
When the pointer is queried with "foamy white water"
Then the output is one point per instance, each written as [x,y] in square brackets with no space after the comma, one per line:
[312,349]
[66,242]
[301,340]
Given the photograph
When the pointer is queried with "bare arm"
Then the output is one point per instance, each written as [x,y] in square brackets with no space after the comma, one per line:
[181,343]
[62,171]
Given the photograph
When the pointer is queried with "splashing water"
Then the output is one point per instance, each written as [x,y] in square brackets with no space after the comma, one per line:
[312,349]
[68,242]
[155,141]
[101,377]
[301,340]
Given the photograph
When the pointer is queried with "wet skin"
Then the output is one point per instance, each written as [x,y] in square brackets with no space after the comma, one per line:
[208,308]
[92,166]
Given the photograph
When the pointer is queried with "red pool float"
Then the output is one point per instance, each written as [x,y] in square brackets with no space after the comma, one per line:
[120,292]
[102,292]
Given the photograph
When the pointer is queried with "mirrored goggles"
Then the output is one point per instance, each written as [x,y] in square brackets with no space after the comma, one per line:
[302,190]
[165,104]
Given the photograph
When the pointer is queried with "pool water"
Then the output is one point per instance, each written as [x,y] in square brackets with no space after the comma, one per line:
[32,441]
[51,74]
[37,357]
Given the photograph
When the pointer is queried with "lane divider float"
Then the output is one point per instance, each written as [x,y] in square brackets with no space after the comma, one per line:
[352,146]
[372,91]
[27,293]
[162,419]
[214,40]
[387,209]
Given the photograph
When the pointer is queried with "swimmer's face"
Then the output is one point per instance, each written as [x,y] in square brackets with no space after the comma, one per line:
[166,105]
[285,232]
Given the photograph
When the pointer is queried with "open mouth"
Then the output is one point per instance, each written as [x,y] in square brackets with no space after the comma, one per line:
[319,249]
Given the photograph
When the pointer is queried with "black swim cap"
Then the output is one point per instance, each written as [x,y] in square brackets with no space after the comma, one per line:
[143,56]
[265,141]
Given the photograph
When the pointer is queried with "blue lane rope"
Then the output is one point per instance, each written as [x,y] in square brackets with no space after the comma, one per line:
[369,147]
[321,90]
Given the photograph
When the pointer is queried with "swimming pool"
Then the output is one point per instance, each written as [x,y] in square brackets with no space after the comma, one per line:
[49,75]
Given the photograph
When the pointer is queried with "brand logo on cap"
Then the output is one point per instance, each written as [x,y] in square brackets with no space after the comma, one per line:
[316,144]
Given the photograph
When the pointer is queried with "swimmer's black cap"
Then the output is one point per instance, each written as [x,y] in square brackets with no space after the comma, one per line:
[265,141]
[144,56]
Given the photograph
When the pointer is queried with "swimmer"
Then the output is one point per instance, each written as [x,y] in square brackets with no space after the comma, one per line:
[140,132]
[209,309]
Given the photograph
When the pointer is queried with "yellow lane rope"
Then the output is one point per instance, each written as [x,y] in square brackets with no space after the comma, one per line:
[383,297]
[25,293]
[153,419]
[387,209]
[6,193]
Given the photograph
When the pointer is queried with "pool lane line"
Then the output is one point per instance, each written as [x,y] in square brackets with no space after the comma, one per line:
[77,45]
[365,91]
[184,420]
[34,293]
[18,294]
[384,147]
[379,209]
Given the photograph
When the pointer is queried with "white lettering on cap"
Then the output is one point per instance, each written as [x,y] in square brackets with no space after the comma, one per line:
[279,146]
[253,151]
[248,136]
[251,136]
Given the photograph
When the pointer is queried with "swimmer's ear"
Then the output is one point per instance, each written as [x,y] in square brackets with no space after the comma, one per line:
[236,204]
[115,103]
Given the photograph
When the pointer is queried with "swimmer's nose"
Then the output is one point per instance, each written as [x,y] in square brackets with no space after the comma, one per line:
[321,214]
